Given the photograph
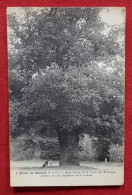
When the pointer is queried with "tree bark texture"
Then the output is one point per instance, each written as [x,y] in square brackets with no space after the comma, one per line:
[69,145]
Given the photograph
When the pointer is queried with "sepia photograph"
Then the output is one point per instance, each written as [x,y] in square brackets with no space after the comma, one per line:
[66,75]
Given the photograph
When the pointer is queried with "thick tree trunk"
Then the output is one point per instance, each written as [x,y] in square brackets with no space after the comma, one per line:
[68,142]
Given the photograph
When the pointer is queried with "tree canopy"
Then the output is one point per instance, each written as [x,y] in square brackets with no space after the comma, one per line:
[65,73]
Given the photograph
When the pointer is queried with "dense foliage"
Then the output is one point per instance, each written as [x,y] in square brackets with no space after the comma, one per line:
[65,75]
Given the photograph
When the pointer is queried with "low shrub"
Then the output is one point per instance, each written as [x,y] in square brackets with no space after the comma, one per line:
[116,153]
[21,149]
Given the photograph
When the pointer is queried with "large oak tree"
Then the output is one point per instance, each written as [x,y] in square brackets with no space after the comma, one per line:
[66,75]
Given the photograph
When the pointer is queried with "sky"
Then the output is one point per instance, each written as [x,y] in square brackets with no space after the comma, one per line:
[113,15]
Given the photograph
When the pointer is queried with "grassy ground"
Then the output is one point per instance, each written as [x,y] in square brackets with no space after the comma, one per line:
[37,165]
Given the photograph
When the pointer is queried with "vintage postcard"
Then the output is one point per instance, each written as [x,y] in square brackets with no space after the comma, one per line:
[66,71]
